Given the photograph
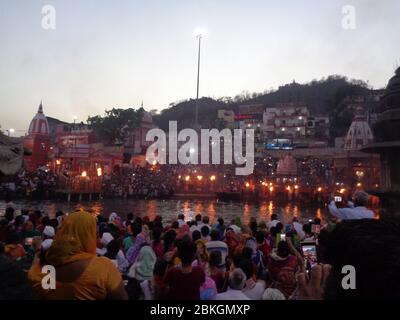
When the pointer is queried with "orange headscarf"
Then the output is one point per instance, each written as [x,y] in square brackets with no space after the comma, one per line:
[76,240]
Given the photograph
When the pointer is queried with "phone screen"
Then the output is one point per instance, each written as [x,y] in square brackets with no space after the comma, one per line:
[310,254]
[283,236]
[28,241]
[338,199]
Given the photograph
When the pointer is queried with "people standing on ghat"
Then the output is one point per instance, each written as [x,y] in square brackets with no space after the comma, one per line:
[94,254]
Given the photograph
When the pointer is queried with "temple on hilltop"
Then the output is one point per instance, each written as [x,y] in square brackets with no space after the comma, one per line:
[37,141]
[352,167]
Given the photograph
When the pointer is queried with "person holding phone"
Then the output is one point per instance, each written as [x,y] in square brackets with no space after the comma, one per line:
[355,211]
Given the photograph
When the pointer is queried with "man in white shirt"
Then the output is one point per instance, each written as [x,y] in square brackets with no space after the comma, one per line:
[237,281]
[181,219]
[353,212]
[274,221]
[299,228]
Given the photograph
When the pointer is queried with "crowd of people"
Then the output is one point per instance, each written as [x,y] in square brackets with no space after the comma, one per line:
[141,259]
[160,181]
[144,182]
[41,183]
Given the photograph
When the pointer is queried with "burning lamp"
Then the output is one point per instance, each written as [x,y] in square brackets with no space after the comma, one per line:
[319,189]
[199,178]
[247,185]
[187,178]
[99,172]
[84,174]
[212,178]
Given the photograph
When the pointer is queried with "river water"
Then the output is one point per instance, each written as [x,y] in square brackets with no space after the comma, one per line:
[169,209]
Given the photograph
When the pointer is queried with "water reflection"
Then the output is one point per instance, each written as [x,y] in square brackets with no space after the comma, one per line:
[169,209]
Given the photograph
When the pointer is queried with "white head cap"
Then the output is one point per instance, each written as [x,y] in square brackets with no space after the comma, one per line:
[106,238]
[49,231]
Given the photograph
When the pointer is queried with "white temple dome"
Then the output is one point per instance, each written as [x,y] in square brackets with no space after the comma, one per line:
[39,124]
[359,134]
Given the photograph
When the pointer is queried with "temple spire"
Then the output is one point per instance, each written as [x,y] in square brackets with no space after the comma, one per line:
[40,110]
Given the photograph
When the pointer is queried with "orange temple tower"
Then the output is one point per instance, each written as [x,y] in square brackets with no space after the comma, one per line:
[37,142]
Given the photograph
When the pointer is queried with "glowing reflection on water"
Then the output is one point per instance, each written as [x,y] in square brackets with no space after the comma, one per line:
[169,209]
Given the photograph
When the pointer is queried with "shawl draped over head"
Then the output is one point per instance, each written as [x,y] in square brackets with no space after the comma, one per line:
[204,256]
[134,250]
[75,240]
[144,265]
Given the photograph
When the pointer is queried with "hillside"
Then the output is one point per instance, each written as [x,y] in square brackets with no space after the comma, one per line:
[324,96]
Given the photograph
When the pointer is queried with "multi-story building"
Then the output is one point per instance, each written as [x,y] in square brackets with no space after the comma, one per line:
[318,127]
[286,121]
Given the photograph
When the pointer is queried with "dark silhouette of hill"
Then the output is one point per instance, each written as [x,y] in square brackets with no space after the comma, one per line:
[323,96]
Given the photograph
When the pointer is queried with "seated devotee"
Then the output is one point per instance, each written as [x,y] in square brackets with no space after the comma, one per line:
[129,240]
[14,284]
[237,281]
[106,238]
[183,283]
[215,272]
[282,267]
[372,247]
[205,233]
[273,294]
[254,288]
[202,257]
[116,255]
[358,210]
[80,273]
[143,267]
[181,219]
[154,288]
[216,245]
[274,221]
[13,248]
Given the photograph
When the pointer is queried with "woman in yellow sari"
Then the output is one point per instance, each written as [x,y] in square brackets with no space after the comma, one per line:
[80,274]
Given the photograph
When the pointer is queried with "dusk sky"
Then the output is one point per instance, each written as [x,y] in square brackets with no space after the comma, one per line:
[118,53]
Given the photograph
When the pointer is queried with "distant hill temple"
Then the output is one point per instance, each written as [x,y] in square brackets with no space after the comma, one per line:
[37,142]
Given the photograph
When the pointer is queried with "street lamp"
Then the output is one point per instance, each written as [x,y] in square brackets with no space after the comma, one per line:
[10,131]
[199,34]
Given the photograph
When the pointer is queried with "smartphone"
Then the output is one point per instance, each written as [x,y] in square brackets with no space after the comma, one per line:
[309,250]
[315,228]
[28,241]
[283,237]
[338,199]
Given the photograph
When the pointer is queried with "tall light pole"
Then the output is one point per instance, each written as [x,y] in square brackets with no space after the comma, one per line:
[199,33]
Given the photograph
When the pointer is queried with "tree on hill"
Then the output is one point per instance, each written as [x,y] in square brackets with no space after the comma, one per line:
[114,126]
